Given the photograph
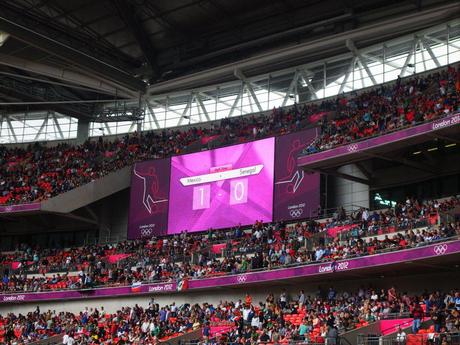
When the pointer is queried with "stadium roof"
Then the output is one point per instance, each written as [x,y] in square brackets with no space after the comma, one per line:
[111,49]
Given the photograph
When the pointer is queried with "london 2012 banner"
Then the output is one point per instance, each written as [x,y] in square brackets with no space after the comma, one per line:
[149,201]
[297,192]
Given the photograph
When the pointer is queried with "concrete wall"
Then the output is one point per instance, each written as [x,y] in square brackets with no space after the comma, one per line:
[347,193]
[113,217]
[412,284]
[82,131]
[352,336]
[98,208]
[186,338]
[90,192]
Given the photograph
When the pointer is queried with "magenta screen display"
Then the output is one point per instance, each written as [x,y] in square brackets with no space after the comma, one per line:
[297,192]
[148,210]
[222,188]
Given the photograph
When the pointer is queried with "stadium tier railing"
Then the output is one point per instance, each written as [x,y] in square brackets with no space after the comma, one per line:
[410,339]
[447,246]
[356,231]
[455,121]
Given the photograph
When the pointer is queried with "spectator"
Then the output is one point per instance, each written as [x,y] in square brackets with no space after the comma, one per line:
[417,314]
[401,336]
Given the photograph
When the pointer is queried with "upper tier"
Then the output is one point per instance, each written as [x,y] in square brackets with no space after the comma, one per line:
[38,172]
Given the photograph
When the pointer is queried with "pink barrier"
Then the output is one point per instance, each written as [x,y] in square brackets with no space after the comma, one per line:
[217,248]
[218,330]
[205,140]
[316,117]
[117,257]
[15,264]
[336,229]
[391,326]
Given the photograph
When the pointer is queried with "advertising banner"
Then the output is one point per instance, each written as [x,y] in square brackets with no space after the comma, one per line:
[149,200]
[20,208]
[422,129]
[297,193]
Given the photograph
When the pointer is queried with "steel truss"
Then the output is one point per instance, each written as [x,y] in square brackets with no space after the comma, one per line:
[361,67]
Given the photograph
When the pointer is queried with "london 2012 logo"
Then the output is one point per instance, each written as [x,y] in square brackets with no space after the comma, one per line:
[440,249]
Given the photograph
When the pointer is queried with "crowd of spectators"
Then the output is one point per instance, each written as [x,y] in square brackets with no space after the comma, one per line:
[277,320]
[264,246]
[389,108]
[411,213]
[38,172]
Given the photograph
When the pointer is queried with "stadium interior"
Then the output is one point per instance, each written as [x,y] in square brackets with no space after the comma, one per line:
[230,172]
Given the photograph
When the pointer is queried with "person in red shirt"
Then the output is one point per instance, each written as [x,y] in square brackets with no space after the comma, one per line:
[392,294]
[417,314]
[248,300]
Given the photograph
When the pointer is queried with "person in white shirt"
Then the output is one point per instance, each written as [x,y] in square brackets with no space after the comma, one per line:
[255,322]
[68,339]
[365,215]
[145,326]
[401,336]
[246,312]
[238,304]
[301,299]
[374,296]
[173,309]
[283,299]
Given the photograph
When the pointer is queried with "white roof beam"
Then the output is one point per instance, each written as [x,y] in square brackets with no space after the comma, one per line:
[351,46]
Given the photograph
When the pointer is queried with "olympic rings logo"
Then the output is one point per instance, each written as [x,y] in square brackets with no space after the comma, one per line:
[440,249]
[352,147]
[146,232]
[241,279]
[296,213]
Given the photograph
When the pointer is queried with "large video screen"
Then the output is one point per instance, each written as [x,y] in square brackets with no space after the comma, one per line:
[148,211]
[297,193]
[222,188]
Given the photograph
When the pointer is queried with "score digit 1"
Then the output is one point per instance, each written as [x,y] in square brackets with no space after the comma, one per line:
[201,197]
[239,191]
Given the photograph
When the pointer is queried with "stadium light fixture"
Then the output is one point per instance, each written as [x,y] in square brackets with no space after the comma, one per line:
[450,145]
[416,152]
[384,202]
[432,149]
[3,37]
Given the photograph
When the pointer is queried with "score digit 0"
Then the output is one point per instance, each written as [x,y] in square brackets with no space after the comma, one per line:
[239,191]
